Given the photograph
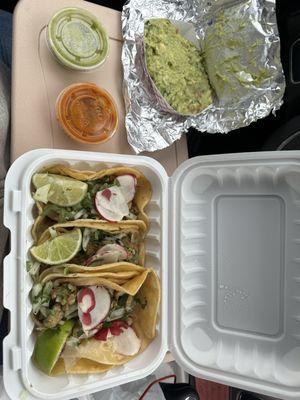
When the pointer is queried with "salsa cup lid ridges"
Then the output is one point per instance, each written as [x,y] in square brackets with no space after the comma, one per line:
[77,39]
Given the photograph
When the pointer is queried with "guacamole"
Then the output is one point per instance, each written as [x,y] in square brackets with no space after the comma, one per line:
[233,56]
[176,67]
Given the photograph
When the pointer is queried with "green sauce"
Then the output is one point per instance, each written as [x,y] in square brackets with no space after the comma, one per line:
[77,39]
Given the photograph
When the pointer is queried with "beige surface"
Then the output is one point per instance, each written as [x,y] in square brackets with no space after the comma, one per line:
[38,79]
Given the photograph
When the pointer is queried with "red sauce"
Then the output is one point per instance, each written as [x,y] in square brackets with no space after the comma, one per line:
[87,113]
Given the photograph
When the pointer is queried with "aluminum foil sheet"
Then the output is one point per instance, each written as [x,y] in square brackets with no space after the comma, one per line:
[257,65]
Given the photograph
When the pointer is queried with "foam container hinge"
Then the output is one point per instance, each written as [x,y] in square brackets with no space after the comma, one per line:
[225,239]
[21,377]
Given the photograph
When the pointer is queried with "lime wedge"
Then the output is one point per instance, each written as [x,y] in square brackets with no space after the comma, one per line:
[49,345]
[42,193]
[64,191]
[59,249]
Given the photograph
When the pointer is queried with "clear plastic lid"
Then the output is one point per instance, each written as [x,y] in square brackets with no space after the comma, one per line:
[77,39]
[87,113]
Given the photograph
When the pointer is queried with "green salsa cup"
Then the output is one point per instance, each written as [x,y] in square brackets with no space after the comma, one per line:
[77,39]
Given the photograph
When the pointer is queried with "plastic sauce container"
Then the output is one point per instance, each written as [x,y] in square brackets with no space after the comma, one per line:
[87,113]
[77,39]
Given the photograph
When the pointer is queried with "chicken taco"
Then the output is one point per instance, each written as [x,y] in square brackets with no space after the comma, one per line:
[64,194]
[112,251]
[89,324]
[90,243]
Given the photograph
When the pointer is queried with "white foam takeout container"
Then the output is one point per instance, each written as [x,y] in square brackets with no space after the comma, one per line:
[225,240]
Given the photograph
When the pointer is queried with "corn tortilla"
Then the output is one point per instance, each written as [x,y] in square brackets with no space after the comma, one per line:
[141,199]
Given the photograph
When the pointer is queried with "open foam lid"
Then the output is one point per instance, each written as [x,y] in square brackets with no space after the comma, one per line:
[235,270]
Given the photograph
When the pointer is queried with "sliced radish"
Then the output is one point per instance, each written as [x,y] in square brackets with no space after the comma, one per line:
[93,317]
[115,329]
[102,334]
[107,194]
[127,185]
[109,253]
[113,247]
[86,318]
[127,343]
[86,300]
[111,204]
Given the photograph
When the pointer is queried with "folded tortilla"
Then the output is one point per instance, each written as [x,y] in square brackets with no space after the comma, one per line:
[141,199]
[120,271]
[94,356]
[137,228]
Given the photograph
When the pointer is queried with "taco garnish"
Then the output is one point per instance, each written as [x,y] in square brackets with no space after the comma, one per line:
[102,243]
[106,328]
[114,194]
[91,292]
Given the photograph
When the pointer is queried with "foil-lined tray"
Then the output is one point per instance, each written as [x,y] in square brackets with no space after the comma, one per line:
[257,65]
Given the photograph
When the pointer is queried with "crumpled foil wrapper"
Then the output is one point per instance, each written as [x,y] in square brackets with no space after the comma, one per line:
[150,128]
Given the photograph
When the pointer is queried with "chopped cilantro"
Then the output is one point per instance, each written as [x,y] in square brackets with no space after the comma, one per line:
[63,213]
[106,324]
[98,235]
[122,300]
[142,304]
